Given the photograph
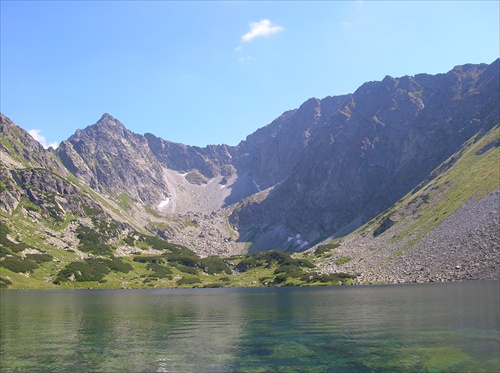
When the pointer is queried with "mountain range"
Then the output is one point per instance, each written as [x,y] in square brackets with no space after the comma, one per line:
[371,178]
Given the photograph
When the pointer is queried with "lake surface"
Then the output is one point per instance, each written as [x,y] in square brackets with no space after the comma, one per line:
[451,327]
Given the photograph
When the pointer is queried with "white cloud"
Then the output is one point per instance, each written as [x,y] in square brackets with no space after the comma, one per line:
[261,28]
[41,139]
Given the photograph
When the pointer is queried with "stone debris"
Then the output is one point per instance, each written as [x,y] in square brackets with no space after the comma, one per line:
[466,246]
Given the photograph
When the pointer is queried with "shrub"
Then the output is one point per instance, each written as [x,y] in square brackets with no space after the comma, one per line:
[213,265]
[102,250]
[279,279]
[298,263]
[92,241]
[129,240]
[246,264]
[334,278]
[4,252]
[19,265]
[159,270]
[344,275]
[4,283]
[8,244]
[149,259]
[343,260]
[40,258]
[188,281]
[90,211]
[18,247]
[184,259]
[289,271]
[278,256]
[214,285]
[118,265]
[384,225]
[261,259]
[326,248]
[88,236]
[157,243]
[87,270]
[185,269]
[265,279]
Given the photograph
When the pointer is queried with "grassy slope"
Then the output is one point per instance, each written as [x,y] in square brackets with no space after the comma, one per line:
[473,175]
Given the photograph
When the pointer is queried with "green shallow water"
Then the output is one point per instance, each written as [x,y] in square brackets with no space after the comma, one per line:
[451,327]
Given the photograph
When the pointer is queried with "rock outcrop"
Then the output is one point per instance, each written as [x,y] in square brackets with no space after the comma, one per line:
[316,172]
[380,144]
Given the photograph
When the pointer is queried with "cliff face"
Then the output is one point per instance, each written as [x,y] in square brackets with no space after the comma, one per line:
[318,171]
[113,160]
[379,145]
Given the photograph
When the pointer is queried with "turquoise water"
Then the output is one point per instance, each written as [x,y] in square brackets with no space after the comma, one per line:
[451,327]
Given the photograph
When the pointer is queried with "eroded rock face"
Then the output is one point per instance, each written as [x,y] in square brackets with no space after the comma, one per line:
[114,160]
[24,150]
[320,170]
[385,139]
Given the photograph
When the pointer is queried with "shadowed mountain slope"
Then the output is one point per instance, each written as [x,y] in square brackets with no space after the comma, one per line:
[316,172]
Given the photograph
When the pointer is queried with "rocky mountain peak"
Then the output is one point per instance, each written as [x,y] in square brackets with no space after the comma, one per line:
[107,127]
[367,152]
[321,169]
[397,157]
[109,123]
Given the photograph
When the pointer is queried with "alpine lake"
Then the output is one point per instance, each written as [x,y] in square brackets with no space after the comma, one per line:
[435,327]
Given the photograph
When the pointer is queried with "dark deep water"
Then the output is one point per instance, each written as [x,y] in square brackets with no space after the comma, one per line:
[451,327]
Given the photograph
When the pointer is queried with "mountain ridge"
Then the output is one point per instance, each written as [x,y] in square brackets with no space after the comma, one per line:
[315,174]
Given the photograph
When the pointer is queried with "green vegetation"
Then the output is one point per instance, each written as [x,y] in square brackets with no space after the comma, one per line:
[19,265]
[118,265]
[7,247]
[157,259]
[343,260]
[4,283]
[326,248]
[40,258]
[188,281]
[91,270]
[124,200]
[86,270]
[474,175]
[160,271]
[173,265]
[213,265]
[92,241]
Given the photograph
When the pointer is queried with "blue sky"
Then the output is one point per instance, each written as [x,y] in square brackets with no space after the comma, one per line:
[213,72]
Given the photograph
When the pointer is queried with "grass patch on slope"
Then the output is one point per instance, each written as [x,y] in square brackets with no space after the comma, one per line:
[474,175]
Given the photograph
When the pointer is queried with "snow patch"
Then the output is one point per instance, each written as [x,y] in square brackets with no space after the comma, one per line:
[164,203]
[257,186]
[298,240]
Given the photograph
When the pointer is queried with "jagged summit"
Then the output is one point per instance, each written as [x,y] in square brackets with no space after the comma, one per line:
[107,118]
[327,166]
[108,122]
[382,156]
